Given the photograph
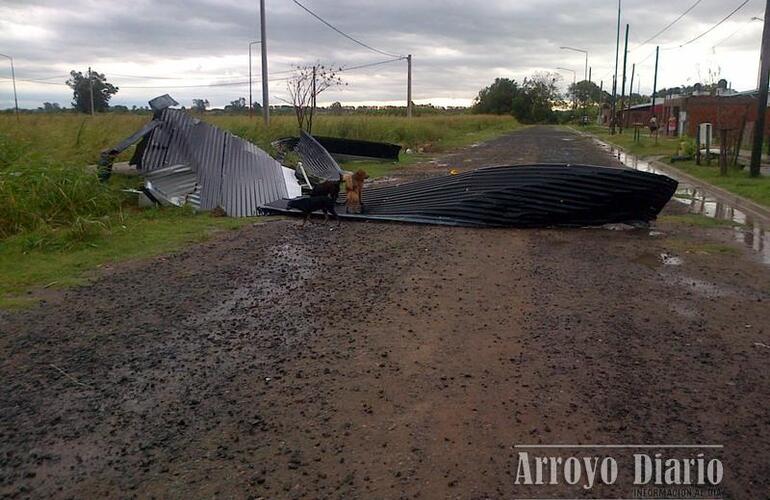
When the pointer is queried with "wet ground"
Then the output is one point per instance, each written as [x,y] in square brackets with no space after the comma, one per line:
[389,361]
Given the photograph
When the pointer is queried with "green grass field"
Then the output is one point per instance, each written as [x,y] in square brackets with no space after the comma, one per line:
[57,221]
[76,139]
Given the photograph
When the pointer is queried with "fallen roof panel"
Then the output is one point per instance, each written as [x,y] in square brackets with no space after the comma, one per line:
[520,196]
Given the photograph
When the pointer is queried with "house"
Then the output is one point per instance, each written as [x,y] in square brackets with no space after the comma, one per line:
[726,110]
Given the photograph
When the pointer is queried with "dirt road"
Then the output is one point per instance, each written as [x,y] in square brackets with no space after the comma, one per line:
[388,361]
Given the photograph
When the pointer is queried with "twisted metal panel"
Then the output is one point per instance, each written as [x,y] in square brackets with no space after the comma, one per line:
[317,162]
[521,196]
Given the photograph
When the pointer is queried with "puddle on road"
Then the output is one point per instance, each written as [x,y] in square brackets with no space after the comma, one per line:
[654,261]
[753,233]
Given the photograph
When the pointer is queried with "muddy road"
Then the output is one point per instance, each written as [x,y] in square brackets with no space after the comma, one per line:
[394,361]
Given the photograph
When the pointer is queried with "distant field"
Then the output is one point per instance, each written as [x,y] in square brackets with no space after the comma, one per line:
[77,139]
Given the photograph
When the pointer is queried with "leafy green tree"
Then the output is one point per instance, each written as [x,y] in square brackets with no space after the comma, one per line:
[586,93]
[536,99]
[237,105]
[200,105]
[497,98]
[81,86]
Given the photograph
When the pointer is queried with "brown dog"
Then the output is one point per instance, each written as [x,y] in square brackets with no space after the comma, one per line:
[354,186]
[328,188]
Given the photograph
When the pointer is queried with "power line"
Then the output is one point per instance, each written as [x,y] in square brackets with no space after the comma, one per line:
[653,37]
[728,16]
[218,84]
[378,63]
[720,42]
[359,42]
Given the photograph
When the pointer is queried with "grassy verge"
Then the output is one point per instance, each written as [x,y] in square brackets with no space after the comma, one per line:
[143,233]
[646,146]
[736,181]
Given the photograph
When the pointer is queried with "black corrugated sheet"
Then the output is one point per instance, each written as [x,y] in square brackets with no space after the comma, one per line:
[317,162]
[521,196]
[347,149]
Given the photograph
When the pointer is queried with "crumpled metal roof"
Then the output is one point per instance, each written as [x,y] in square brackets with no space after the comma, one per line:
[231,173]
[317,162]
[520,196]
[175,185]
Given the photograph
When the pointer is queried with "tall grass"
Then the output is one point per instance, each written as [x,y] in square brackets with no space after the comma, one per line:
[76,139]
[38,195]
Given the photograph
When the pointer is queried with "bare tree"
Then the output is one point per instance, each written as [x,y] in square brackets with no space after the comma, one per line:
[305,85]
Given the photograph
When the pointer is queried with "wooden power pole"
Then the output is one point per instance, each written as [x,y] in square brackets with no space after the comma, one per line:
[409,86]
[91,84]
[265,90]
[623,87]
[764,79]
[615,77]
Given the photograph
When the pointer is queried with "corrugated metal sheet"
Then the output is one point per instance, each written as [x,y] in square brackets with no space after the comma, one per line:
[317,162]
[230,172]
[206,152]
[249,176]
[175,185]
[162,102]
[344,149]
[521,196]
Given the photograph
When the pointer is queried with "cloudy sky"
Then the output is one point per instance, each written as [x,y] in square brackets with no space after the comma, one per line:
[190,48]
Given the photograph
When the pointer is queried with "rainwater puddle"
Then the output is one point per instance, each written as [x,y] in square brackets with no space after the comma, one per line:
[654,261]
[749,231]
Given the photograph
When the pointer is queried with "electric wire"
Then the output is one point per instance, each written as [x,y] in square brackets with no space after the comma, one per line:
[339,31]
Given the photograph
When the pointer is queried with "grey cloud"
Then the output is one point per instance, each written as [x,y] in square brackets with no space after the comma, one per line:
[457,46]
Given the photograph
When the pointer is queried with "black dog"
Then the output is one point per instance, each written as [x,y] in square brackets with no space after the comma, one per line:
[309,204]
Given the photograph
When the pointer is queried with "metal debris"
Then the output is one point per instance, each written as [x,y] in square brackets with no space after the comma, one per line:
[317,162]
[346,149]
[176,185]
[228,172]
[520,196]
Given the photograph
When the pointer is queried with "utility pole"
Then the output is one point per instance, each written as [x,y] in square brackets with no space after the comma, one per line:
[655,81]
[630,91]
[409,85]
[13,78]
[764,79]
[312,101]
[91,83]
[590,68]
[251,99]
[615,78]
[623,88]
[265,90]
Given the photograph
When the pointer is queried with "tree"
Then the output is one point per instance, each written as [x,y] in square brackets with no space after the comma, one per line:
[237,105]
[497,98]
[305,85]
[82,86]
[538,94]
[257,107]
[200,105]
[50,107]
[336,108]
[586,93]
